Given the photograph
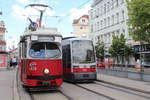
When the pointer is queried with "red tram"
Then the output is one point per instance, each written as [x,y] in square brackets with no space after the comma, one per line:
[40,58]
[79,64]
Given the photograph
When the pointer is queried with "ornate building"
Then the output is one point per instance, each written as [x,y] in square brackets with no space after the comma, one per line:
[81,26]
[3,53]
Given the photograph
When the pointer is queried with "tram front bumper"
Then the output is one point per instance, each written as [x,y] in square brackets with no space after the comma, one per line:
[85,76]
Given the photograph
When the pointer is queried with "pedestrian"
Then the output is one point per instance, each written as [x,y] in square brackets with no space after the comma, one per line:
[14,62]
[10,62]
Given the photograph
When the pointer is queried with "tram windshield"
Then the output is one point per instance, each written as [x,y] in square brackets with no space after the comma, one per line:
[83,51]
[44,50]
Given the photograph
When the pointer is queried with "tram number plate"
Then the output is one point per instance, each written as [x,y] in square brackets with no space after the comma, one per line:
[46,83]
[85,75]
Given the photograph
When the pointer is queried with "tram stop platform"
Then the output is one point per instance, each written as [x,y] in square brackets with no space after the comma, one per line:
[137,85]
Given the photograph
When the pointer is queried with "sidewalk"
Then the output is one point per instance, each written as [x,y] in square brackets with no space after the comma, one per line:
[126,83]
[6,84]
[8,88]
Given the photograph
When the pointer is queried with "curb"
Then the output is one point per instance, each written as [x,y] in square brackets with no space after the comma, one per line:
[123,86]
[15,89]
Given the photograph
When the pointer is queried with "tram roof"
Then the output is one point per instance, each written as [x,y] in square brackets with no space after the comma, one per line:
[75,38]
[43,31]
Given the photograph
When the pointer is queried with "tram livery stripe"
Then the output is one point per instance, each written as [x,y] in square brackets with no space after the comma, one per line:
[45,77]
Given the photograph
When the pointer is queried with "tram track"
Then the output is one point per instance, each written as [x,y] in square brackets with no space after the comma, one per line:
[100,94]
[120,88]
[67,96]
[31,96]
[39,95]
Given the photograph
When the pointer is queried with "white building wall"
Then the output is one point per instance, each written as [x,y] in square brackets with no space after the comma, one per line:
[108,18]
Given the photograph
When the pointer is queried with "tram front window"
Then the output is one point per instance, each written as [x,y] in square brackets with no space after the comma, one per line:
[44,50]
[83,51]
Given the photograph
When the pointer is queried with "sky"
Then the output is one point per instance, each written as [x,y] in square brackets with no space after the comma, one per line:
[15,16]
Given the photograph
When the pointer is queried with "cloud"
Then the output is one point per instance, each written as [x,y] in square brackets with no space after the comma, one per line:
[77,13]
[17,12]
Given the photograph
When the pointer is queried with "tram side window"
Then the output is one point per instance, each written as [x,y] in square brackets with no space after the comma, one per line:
[24,49]
[64,55]
[68,56]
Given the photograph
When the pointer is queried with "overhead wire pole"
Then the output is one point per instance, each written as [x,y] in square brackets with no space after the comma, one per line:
[40,10]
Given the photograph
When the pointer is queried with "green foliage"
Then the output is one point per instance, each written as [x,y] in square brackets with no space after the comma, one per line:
[22,39]
[119,48]
[139,19]
[100,50]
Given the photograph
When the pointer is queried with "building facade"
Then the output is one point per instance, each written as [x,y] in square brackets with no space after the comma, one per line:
[3,53]
[81,26]
[108,18]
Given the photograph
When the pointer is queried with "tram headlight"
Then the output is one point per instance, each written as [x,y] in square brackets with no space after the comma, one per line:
[46,71]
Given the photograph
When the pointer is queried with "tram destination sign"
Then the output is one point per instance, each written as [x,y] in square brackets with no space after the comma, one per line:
[46,38]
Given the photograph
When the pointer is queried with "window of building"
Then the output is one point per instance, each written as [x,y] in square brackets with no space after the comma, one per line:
[108,21]
[1,37]
[109,38]
[83,20]
[112,4]
[123,15]
[113,19]
[104,8]
[117,4]
[101,24]
[117,16]
[97,25]
[108,6]
[94,13]
[97,15]
[92,28]
[102,37]
[81,27]
[123,31]
[104,22]
[98,38]
[101,10]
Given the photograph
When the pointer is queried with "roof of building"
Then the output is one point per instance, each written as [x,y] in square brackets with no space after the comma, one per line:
[76,21]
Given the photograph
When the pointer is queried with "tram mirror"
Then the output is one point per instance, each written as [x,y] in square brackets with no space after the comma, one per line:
[34,38]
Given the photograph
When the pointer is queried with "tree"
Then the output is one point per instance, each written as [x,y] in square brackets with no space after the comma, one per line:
[139,19]
[119,48]
[100,50]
